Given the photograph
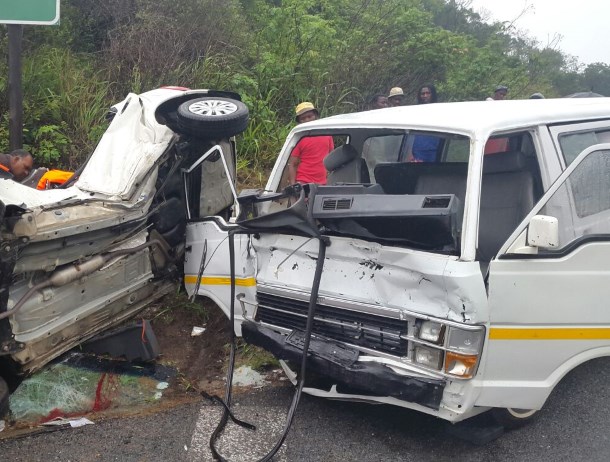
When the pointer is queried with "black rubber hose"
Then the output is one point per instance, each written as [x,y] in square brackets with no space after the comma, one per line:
[225,415]
[313,298]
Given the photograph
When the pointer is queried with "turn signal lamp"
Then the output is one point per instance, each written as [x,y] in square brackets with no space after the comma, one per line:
[460,365]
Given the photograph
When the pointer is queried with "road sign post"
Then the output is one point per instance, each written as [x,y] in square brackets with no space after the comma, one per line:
[15,13]
[15,90]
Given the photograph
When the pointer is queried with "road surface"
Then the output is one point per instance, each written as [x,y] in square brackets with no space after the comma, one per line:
[573,426]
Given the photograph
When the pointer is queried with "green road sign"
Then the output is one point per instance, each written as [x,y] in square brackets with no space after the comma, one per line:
[29,11]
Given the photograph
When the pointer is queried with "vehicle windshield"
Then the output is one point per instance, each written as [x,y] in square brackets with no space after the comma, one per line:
[393,186]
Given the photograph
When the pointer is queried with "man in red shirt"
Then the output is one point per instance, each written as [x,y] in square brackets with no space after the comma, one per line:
[305,164]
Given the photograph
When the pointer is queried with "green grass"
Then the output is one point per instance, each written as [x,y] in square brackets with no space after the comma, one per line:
[179,301]
[250,355]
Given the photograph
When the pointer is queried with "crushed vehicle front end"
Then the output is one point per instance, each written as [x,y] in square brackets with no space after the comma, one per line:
[400,317]
[77,260]
[391,325]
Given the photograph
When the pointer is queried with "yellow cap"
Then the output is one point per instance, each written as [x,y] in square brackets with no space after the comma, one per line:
[304,107]
[396,91]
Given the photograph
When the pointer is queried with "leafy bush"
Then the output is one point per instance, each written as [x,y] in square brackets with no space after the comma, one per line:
[275,53]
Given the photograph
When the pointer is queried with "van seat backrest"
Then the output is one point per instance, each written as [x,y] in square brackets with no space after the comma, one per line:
[345,166]
[422,178]
[507,196]
[442,178]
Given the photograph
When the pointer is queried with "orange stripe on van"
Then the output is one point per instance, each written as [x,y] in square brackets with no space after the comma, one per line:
[558,333]
[220,281]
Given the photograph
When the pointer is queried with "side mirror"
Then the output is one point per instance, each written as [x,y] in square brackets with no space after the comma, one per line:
[543,232]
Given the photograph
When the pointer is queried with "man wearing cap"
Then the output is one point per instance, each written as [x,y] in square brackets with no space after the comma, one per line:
[396,97]
[499,93]
[305,164]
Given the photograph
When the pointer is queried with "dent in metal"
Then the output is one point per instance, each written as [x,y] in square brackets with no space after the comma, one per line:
[391,277]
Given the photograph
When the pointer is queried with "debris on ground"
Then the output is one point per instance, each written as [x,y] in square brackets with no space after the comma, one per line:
[88,384]
[245,376]
[197,331]
[80,384]
[63,422]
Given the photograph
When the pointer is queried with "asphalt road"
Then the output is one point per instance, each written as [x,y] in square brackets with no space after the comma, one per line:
[575,425]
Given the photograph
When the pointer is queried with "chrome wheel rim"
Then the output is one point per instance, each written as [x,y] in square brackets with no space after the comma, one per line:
[212,108]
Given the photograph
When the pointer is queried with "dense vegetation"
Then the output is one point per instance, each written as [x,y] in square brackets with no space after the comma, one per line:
[276,53]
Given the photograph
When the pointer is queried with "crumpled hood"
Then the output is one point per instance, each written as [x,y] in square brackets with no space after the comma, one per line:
[367,272]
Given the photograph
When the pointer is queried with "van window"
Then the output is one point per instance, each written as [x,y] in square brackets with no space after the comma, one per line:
[573,144]
[582,203]
[381,149]
[457,150]
[511,185]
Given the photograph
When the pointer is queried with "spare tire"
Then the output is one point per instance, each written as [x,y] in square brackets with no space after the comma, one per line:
[212,117]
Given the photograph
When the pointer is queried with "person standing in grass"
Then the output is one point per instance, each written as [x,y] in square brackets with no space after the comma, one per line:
[306,159]
[396,97]
[499,93]
[378,102]
[425,147]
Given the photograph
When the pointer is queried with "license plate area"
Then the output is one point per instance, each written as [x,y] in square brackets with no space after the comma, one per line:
[324,348]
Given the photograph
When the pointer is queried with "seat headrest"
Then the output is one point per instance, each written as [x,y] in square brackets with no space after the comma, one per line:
[340,156]
[511,161]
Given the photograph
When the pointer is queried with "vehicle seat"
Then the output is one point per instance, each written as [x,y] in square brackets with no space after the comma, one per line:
[507,196]
[422,178]
[345,166]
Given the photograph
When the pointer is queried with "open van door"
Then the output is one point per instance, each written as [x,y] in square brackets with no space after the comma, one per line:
[209,185]
[549,289]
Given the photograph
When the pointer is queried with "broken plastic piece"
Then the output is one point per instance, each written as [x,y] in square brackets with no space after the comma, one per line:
[197,331]
[62,421]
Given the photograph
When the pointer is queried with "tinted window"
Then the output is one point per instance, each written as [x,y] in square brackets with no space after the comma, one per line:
[582,203]
[573,144]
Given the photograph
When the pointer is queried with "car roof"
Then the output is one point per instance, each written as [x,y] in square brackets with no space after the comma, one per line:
[472,118]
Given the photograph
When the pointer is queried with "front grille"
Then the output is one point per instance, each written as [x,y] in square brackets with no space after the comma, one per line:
[376,332]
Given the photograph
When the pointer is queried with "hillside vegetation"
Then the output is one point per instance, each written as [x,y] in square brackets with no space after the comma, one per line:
[275,53]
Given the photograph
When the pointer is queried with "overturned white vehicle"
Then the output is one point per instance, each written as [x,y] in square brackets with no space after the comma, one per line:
[79,259]
[475,279]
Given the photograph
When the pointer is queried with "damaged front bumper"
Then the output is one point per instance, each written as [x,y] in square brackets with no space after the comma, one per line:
[340,364]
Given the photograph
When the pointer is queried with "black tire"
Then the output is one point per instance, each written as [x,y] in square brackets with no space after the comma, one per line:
[4,393]
[512,418]
[212,117]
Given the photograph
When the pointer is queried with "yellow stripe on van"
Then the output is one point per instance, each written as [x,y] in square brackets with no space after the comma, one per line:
[220,281]
[559,333]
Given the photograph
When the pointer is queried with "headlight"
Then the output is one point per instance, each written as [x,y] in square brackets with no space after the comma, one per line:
[432,332]
[466,341]
[463,362]
[430,357]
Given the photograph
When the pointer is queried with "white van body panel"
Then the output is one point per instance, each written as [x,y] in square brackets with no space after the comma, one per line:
[541,316]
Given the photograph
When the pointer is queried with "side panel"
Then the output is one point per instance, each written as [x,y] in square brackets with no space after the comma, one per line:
[207,270]
[549,306]
[547,316]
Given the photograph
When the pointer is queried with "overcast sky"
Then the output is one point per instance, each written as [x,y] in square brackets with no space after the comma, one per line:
[583,24]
